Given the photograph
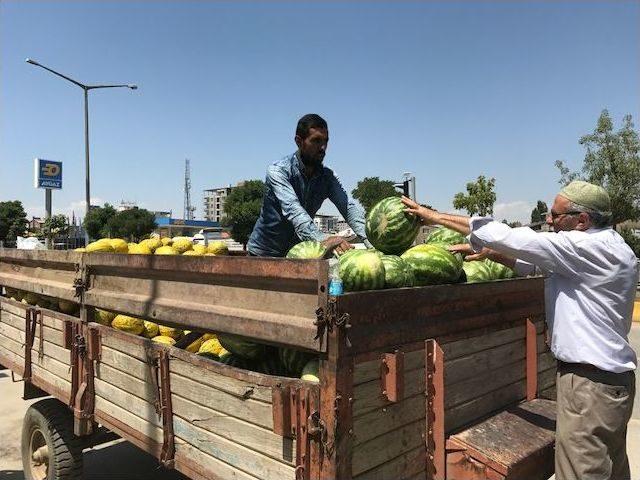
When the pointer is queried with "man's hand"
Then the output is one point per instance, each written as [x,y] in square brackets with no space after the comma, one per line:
[336,243]
[470,255]
[424,214]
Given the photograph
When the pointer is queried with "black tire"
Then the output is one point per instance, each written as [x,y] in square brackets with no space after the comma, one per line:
[49,423]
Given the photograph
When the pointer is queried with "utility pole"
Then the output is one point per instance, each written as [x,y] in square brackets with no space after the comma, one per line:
[188,209]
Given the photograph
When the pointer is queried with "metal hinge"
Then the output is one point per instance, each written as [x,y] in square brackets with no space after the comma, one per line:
[327,320]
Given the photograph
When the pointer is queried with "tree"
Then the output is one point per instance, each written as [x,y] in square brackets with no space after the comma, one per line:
[13,221]
[134,223]
[479,199]
[96,221]
[242,209]
[632,240]
[539,213]
[56,225]
[370,190]
[612,161]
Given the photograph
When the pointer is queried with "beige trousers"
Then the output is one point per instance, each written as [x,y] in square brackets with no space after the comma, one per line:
[594,408]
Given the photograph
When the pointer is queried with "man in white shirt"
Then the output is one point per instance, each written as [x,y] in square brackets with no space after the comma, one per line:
[589,293]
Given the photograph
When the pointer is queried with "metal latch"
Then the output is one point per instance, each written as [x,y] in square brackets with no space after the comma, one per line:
[392,375]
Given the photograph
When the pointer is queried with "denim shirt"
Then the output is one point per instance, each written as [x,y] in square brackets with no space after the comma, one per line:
[290,202]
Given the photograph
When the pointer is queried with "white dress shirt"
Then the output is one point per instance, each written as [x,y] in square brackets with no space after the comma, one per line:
[589,289]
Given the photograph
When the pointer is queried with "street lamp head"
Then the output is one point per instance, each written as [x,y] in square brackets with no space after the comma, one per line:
[32,62]
[133,87]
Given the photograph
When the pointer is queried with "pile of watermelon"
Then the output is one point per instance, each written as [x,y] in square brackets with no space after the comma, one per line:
[395,263]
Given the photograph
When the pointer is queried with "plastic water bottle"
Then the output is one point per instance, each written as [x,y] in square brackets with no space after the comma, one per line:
[335,282]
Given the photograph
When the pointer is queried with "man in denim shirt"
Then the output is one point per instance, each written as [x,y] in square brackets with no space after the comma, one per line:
[295,189]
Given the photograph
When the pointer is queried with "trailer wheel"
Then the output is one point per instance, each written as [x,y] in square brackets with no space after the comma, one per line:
[50,450]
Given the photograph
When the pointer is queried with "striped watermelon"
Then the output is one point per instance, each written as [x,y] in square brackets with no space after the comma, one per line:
[240,347]
[499,271]
[236,361]
[362,270]
[293,360]
[433,264]
[389,228]
[477,271]
[445,236]
[311,371]
[397,272]
[308,249]
[271,364]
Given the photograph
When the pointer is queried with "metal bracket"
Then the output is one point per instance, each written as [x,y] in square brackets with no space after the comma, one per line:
[434,392]
[392,375]
[95,345]
[532,360]
[327,320]
[30,333]
[158,362]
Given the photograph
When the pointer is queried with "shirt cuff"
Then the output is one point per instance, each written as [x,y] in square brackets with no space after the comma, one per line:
[474,224]
[523,268]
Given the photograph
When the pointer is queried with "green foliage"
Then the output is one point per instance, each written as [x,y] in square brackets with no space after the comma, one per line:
[539,213]
[632,240]
[370,190]
[479,199]
[13,221]
[242,209]
[612,161]
[56,225]
[132,224]
[96,221]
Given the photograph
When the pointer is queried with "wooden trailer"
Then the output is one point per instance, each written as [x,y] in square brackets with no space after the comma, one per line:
[441,382]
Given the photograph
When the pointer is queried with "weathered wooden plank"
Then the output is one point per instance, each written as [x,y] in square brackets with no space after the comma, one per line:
[380,421]
[230,452]
[124,363]
[239,406]
[479,407]
[53,351]
[238,431]
[208,466]
[16,360]
[20,314]
[387,447]
[49,348]
[132,346]
[18,309]
[367,371]
[50,334]
[220,382]
[104,405]
[483,361]
[482,384]
[125,381]
[12,345]
[409,465]
[51,365]
[368,396]
[139,407]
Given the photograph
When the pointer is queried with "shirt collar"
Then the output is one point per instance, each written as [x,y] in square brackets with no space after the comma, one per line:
[298,163]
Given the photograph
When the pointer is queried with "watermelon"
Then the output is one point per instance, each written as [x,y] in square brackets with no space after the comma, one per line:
[389,228]
[445,236]
[477,271]
[271,364]
[362,270]
[293,360]
[308,249]
[311,371]
[499,271]
[433,264]
[240,347]
[397,272]
[236,361]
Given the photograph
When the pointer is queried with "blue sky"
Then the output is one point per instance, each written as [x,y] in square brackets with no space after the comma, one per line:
[446,90]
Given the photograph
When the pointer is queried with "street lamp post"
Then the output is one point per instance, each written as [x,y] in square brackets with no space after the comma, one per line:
[86,89]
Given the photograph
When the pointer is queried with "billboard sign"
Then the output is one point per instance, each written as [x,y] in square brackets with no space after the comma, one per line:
[47,173]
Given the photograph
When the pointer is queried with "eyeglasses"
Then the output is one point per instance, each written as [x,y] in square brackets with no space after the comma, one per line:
[555,215]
